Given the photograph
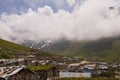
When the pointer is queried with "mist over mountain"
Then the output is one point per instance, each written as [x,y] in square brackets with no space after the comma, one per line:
[89,20]
[53,46]
[104,49]
[81,28]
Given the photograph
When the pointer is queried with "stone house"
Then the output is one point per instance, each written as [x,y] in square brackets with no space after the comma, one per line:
[48,74]
[25,74]
[19,73]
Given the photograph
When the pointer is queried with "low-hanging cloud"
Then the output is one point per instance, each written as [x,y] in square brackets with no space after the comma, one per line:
[71,2]
[93,19]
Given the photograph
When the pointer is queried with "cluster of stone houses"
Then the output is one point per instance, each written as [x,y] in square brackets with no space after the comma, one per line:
[16,73]
[91,69]
[13,69]
[62,67]
[8,62]
[24,73]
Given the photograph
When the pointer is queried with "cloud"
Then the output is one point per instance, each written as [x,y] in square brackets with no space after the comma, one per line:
[32,3]
[92,20]
[59,3]
[71,2]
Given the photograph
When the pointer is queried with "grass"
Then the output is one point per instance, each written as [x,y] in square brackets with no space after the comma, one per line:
[106,49]
[12,50]
[42,67]
[8,48]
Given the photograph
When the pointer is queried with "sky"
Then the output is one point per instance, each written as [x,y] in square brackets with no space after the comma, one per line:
[38,20]
[18,6]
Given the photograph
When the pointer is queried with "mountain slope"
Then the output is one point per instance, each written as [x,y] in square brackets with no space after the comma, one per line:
[9,48]
[105,49]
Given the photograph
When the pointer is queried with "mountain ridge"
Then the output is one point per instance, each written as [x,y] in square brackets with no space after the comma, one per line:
[11,50]
[104,49]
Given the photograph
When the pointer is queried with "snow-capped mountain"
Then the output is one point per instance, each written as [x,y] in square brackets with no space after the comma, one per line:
[49,45]
[100,49]
[37,44]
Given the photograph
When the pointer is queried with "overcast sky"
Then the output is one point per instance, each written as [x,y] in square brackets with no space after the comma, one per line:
[54,19]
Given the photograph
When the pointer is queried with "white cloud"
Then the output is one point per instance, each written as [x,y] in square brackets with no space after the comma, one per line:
[59,3]
[71,2]
[94,19]
[32,3]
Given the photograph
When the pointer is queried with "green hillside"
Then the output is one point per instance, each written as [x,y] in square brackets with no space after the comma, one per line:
[11,50]
[106,49]
[7,49]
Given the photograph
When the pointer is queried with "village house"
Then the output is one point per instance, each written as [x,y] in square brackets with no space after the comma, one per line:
[46,71]
[76,67]
[40,62]
[77,70]
[96,69]
[18,73]
[74,74]
[61,66]
[12,62]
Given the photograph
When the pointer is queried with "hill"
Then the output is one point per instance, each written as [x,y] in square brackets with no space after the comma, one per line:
[7,49]
[10,50]
[105,49]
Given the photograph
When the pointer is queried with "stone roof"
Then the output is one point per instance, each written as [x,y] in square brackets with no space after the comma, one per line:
[8,71]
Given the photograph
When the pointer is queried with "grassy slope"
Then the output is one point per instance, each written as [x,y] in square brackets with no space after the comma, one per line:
[103,49]
[42,67]
[9,48]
